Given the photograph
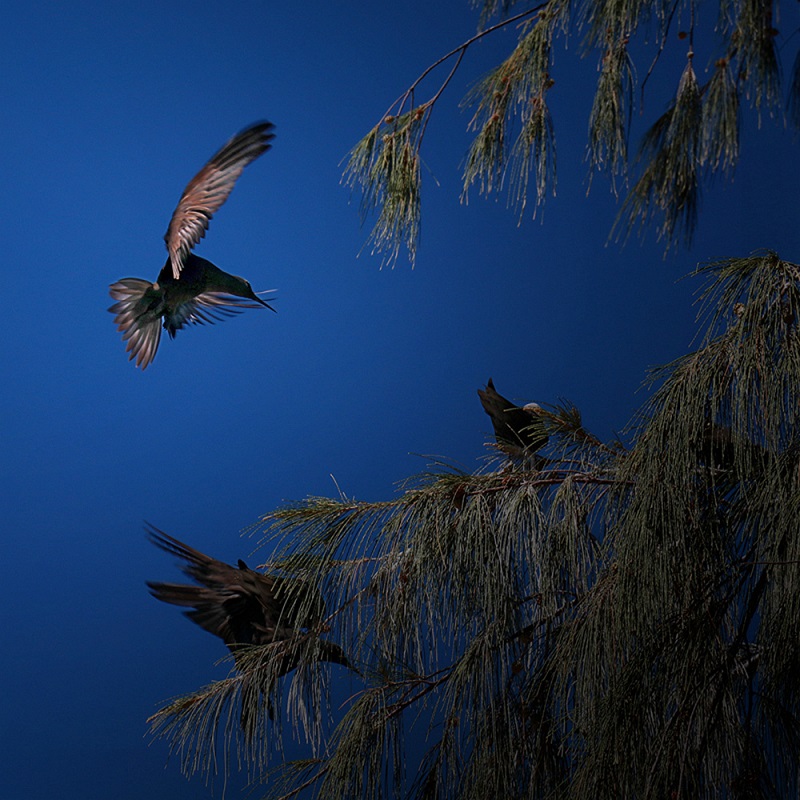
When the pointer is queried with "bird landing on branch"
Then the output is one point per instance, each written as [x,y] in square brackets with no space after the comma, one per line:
[270,623]
[241,606]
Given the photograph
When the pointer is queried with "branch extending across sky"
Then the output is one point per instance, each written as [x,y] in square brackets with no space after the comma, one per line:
[397,107]
[514,144]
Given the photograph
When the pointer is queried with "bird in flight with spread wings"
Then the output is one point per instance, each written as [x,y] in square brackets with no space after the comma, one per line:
[241,606]
[190,290]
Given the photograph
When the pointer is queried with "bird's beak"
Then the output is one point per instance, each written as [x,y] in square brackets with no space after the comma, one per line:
[262,301]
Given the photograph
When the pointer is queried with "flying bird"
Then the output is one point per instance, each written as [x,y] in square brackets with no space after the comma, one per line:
[190,290]
[241,606]
[517,429]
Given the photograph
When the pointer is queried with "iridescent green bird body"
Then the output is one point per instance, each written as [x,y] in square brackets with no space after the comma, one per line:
[190,290]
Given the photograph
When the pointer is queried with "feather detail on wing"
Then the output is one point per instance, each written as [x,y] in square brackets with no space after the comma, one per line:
[208,307]
[210,188]
[137,317]
[226,602]
[237,604]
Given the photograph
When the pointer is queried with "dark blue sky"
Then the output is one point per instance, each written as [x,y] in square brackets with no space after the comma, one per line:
[108,110]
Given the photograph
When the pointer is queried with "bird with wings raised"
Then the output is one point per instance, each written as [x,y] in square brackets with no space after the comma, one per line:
[190,290]
[241,606]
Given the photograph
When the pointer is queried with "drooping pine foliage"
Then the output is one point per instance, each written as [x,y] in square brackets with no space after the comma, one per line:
[737,57]
[617,621]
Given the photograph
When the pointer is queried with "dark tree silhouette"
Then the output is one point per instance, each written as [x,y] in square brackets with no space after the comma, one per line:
[621,623]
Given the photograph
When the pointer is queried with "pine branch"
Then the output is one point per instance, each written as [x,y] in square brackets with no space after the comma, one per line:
[514,139]
[538,621]
[670,182]
[385,164]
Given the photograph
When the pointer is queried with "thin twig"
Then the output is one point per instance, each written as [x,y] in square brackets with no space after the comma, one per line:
[658,54]
[399,103]
[306,784]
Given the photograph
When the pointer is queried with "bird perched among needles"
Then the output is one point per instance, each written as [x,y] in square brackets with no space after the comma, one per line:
[518,429]
[190,289]
[241,606]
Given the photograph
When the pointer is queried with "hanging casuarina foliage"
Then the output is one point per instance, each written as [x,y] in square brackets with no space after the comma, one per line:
[737,55]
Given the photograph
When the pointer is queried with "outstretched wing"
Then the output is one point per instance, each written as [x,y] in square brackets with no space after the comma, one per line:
[210,188]
[237,604]
[208,307]
[244,607]
[233,603]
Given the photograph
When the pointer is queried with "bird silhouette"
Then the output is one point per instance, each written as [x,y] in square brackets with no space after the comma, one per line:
[190,290]
[241,606]
[517,429]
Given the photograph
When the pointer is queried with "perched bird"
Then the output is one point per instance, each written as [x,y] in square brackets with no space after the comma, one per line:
[190,290]
[517,429]
[241,606]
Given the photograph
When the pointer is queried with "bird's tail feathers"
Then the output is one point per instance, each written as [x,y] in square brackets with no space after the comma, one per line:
[136,318]
[128,289]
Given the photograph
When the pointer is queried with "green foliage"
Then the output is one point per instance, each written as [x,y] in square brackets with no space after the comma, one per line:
[720,142]
[517,88]
[698,591]
[752,44]
[491,8]
[610,118]
[514,142]
[389,157]
[670,183]
[617,621]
